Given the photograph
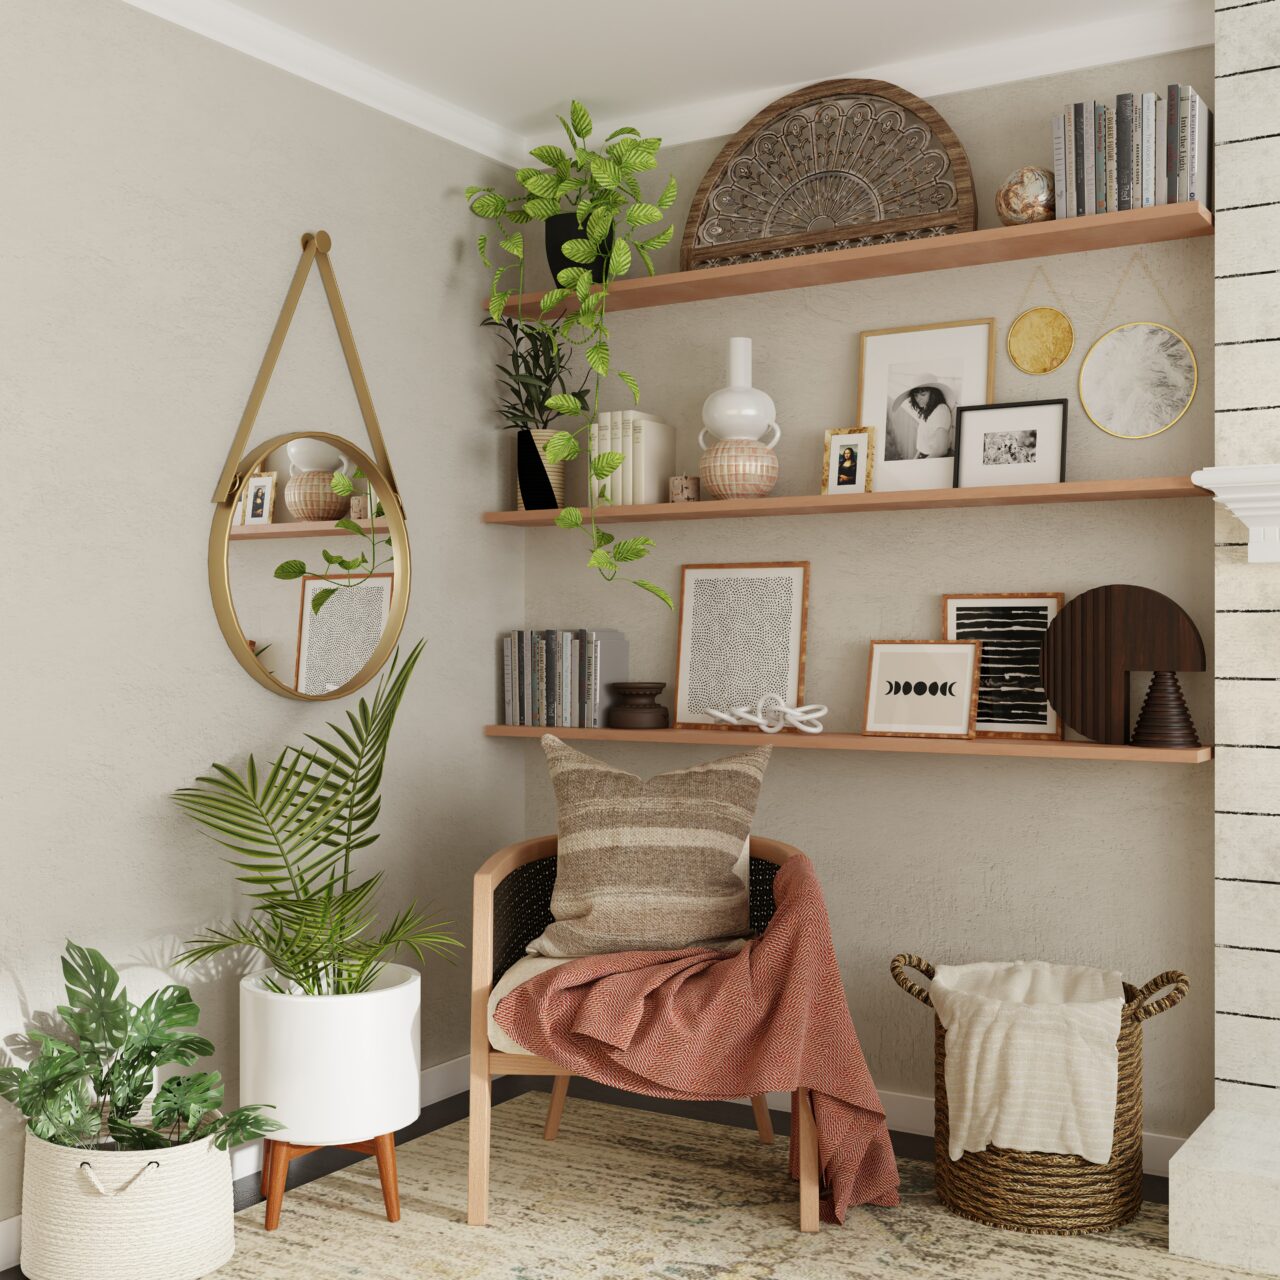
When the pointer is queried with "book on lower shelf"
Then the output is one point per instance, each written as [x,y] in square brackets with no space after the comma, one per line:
[648,450]
[1140,150]
[560,678]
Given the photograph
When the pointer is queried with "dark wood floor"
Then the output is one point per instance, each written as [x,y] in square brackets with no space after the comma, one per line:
[439,1114]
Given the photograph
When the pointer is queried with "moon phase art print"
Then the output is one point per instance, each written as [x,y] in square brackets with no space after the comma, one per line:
[923,688]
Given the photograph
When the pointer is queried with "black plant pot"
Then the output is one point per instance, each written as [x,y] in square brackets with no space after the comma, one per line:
[531,474]
[562,227]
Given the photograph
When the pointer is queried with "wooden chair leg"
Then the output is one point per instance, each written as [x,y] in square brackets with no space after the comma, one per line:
[478,1155]
[267,1144]
[277,1176]
[809,1172]
[559,1091]
[764,1122]
[384,1149]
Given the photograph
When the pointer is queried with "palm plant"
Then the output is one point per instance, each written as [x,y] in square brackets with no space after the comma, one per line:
[293,835]
[536,368]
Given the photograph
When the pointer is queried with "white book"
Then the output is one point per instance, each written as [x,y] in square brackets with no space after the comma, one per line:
[629,455]
[1149,109]
[1135,138]
[1059,163]
[615,446]
[1070,147]
[1113,199]
[568,682]
[507,715]
[1183,105]
[1199,150]
[639,473]
[1090,172]
[1162,152]
[611,665]
[592,660]
[575,676]
[526,667]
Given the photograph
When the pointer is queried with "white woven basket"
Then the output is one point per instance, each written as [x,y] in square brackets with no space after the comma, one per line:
[126,1215]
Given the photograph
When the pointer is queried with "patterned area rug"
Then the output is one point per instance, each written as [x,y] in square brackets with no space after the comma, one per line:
[624,1194]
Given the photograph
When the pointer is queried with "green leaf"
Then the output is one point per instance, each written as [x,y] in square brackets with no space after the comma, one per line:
[632,384]
[482,247]
[489,204]
[562,447]
[656,591]
[321,598]
[626,129]
[641,215]
[606,172]
[549,155]
[598,224]
[341,484]
[580,118]
[563,402]
[498,303]
[601,559]
[330,558]
[632,549]
[598,358]
[537,181]
[553,298]
[569,518]
[97,1008]
[602,538]
[183,1101]
[570,276]
[514,244]
[634,157]
[645,258]
[579,250]
[350,526]
[353,564]
[660,241]
[619,259]
[603,465]
[542,207]
[519,215]
[668,196]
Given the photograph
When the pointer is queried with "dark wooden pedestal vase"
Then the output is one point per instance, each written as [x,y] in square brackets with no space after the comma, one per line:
[276,1157]
[1164,720]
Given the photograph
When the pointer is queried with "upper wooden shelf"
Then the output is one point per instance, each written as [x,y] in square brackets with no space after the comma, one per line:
[295,529]
[736,739]
[810,504]
[906,257]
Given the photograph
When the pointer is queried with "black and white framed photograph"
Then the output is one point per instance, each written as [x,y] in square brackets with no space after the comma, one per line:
[1007,444]
[911,381]
[1011,628]
[336,641]
[922,688]
[260,497]
[846,463]
[742,635]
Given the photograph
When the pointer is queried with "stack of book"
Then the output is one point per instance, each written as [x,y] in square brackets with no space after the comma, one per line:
[648,449]
[1142,150]
[561,678]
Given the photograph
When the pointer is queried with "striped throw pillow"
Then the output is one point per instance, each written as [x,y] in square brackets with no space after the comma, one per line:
[648,865]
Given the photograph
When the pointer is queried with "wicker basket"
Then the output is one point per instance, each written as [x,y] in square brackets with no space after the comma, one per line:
[1034,1191]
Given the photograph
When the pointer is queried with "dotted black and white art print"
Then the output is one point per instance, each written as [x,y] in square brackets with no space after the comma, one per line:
[336,642]
[1012,702]
[741,637]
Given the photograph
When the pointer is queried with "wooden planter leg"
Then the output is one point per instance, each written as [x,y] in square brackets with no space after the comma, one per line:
[559,1091]
[267,1144]
[809,1172]
[764,1122]
[478,1154]
[384,1148]
[277,1176]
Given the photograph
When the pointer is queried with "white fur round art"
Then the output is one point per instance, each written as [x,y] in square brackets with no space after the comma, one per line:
[1138,379]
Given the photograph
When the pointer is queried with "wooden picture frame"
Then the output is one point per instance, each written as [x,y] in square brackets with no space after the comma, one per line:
[310,623]
[958,368]
[993,653]
[862,441]
[966,669]
[726,639]
[259,500]
[1040,419]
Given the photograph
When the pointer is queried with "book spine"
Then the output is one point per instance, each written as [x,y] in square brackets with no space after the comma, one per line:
[1148,150]
[539,679]
[580,676]
[593,671]
[1112,205]
[1059,164]
[639,471]
[1198,149]
[552,672]
[526,670]
[1099,157]
[1135,163]
[1082,174]
[1162,153]
[1183,95]
[507,714]
[1124,151]
[1090,169]
[1069,148]
[615,444]
[628,456]
[566,677]
[575,653]
[1171,144]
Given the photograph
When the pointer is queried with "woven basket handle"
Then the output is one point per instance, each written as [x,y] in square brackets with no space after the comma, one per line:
[128,1186]
[899,964]
[1172,978]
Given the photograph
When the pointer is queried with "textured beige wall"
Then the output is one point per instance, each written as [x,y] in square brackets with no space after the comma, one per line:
[156,187]
[954,859]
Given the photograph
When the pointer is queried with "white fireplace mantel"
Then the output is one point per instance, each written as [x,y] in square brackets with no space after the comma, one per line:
[1252,494]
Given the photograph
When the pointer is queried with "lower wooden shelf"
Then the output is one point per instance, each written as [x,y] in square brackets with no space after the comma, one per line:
[735,739]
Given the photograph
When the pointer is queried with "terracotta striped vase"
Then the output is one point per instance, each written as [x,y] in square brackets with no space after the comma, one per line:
[738,469]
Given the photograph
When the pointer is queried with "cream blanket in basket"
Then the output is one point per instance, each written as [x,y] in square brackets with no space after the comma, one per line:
[1031,1056]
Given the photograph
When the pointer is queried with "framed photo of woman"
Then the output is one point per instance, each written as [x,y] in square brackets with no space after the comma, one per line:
[910,383]
[846,464]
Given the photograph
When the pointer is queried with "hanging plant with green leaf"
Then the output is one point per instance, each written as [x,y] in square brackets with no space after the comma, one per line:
[616,225]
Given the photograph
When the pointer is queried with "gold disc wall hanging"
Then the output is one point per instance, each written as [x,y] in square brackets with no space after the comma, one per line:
[321,601]
[1041,338]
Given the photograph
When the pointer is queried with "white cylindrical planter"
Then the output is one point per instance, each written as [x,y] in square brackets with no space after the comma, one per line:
[166,1214]
[335,1068]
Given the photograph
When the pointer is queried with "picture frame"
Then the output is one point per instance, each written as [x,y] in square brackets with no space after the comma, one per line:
[1023,442]
[260,497]
[911,380]
[743,631]
[336,642]
[1011,626]
[922,689]
[843,450]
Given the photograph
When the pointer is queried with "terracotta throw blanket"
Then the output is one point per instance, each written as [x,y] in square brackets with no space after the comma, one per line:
[700,1025]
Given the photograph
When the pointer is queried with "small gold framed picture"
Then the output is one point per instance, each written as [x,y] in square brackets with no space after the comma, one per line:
[846,462]
[260,497]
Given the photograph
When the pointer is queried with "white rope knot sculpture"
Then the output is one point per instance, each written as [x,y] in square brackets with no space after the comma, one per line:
[771,715]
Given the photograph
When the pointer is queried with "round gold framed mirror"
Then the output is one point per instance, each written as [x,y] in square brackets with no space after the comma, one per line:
[326,599]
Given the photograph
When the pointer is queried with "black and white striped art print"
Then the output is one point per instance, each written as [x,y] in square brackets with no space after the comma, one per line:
[1011,699]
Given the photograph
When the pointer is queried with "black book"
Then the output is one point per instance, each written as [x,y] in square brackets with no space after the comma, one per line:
[1171,143]
[1077,129]
[1124,151]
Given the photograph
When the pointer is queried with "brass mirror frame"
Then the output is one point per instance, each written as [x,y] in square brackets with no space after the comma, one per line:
[220,570]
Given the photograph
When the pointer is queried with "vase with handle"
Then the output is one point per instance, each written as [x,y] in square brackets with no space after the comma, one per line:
[309,494]
[739,432]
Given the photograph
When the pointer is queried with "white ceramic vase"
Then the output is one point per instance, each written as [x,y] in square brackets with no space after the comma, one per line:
[336,1068]
[739,411]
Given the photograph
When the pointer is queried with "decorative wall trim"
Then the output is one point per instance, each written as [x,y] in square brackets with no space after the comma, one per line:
[1252,494]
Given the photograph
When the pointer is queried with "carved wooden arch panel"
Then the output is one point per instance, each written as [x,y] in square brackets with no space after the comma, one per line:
[836,165]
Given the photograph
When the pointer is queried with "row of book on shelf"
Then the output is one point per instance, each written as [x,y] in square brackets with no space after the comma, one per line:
[561,678]
[648,449]
[1141,150]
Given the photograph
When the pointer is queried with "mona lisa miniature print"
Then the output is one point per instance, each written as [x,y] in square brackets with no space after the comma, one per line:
[910,383]
[846,463]
[922,688]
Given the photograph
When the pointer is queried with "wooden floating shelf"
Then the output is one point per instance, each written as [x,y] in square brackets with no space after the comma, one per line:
[857,503]
[735,739]
[295,529]
[906,257]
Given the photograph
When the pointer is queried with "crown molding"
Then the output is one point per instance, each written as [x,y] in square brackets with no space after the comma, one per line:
[1252,495]
[290,51]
